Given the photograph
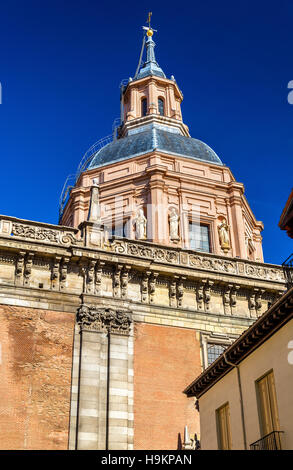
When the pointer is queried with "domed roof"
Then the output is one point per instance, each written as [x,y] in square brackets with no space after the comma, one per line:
[152,139]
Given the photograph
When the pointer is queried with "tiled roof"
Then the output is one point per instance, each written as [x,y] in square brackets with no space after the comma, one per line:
[150,140]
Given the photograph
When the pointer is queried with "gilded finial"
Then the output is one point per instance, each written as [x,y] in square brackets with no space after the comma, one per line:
[149,30]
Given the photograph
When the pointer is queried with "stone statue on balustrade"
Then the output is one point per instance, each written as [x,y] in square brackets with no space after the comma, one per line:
[174,225]
[223,230]
[140,225]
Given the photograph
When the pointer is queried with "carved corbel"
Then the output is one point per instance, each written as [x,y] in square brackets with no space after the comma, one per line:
[153,282]
[98,279]
[227,299]
[55,275]
[207,294]
[251,305]
[121,323]
[90,276]
[28,268]
[124,281]
[180,290]
[63,272]
[200,295]
[233,296]
[19,267]
[145,287]
[258,300]
[117,280]
[173,292]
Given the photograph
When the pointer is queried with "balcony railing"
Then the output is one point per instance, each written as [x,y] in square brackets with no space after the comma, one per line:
[271,441]
[288,270]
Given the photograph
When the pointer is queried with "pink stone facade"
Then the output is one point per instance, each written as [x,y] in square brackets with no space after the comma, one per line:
[159,182]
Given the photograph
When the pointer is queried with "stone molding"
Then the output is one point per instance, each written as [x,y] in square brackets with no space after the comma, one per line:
[37,231]
[207,261]
[138,271]
[91,318]
[13,228]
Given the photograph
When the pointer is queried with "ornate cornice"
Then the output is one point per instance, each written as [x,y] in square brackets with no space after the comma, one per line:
[91,318]
[207,262]
[35,238]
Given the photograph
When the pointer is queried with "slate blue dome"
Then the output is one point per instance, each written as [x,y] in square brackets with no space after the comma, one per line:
[152,139]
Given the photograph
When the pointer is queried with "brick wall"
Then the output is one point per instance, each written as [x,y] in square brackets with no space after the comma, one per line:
[35,378]
[166,360]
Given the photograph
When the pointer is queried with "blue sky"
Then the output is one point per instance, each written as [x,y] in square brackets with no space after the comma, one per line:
[60,68]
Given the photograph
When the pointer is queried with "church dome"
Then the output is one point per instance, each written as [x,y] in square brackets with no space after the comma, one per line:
[146,141]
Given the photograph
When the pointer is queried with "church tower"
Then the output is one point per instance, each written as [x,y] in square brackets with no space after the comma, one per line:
[156,266]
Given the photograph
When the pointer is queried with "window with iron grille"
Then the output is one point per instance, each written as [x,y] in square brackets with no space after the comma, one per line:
[214,351]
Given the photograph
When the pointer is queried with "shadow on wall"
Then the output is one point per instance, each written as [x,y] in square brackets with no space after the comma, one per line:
[179,442]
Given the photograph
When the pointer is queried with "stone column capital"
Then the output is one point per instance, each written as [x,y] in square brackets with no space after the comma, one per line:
[91,318]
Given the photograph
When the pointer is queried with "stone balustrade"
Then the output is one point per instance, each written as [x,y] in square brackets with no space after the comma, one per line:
[18,229]
[38,231]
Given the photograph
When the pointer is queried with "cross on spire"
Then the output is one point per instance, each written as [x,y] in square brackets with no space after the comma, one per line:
[151,66]
[149,19]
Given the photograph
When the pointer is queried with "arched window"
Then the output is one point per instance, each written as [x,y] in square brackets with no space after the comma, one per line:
[144,107]
[161,107]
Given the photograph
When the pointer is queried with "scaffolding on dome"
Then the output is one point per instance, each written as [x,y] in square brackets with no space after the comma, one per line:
[72,179]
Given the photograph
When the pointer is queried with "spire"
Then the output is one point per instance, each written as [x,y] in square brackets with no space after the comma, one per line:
[151,66]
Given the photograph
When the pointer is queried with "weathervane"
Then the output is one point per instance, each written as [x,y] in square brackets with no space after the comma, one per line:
[150,31]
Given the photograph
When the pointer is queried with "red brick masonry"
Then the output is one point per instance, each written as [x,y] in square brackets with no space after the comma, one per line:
[35,378]
[166,359]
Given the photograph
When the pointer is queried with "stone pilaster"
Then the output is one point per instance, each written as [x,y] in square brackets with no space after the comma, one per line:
[120,417]
[104,387]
